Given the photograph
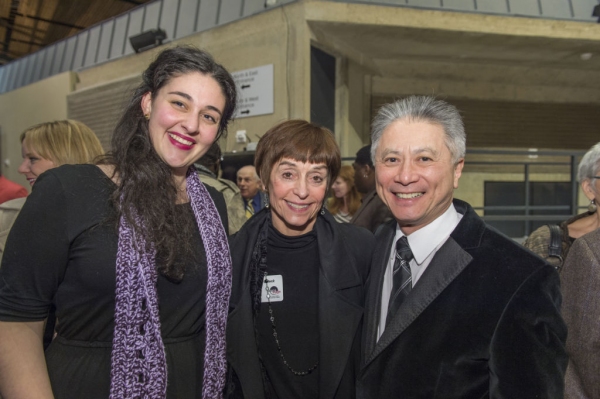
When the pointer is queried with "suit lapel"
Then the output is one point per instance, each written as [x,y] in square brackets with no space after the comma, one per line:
[447,263]
[384,239]
[338,317]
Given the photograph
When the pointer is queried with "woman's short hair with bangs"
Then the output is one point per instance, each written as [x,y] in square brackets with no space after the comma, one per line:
[299,140]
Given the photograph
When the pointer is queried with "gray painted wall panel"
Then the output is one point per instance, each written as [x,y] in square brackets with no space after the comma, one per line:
[92,46]
[207,17]
[105,40]
[168,18]
[152,16]
[69,53]
[47,64]
[252,7]
[117,45]
[492,6]
[28,70]
[425,3]
[20,72]
[461,5]
[525,7]
[135,27]
[10,68]
[188,10]
[38,65]
[583,8]
[3,80]
[230,11]
[59,51]
[556,8]
[80,49]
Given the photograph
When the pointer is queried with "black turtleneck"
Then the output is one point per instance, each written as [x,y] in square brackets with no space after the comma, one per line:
[296,317]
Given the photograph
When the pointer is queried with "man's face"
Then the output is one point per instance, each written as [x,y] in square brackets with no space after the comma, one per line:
[248,182]
[415,175]
[362,178]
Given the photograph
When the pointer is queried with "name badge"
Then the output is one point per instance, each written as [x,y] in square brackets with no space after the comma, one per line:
[272,288]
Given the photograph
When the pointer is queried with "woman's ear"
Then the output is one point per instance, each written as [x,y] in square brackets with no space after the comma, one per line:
[146,104]
[588,189]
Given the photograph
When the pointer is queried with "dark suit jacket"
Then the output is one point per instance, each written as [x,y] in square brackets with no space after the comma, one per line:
[482,321]
[345,253]
[580,279]
[372,212]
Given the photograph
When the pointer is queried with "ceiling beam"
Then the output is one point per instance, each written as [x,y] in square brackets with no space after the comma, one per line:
[51,21]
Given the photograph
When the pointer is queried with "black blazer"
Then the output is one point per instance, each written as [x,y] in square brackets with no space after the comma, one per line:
[483,321]
[345,253]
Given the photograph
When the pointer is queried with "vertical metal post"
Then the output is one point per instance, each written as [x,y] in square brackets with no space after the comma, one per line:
[527,200]
[574,186]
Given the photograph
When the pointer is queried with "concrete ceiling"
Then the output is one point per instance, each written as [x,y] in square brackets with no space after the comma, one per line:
[27,26]
[400,52]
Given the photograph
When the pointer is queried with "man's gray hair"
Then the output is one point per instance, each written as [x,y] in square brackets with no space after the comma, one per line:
[589,165]
[422,109]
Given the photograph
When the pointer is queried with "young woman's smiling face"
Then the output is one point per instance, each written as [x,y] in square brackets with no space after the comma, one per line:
[184,119]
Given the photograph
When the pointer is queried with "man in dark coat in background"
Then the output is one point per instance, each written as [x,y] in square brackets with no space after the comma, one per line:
[372,211]
[454,309]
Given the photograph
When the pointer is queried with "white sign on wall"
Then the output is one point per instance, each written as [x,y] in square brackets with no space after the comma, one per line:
[255,91]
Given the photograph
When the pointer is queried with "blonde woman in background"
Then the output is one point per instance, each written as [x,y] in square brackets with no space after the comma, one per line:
[46,146]
[345,200]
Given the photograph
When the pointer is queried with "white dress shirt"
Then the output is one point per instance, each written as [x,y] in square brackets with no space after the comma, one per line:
[424,243]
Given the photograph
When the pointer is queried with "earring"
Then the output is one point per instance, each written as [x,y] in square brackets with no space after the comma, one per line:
[147,116]
[267,204]
[592,206]
[323,210]
[365,175]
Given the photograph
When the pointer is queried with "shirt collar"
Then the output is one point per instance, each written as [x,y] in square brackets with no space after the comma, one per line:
[428,238]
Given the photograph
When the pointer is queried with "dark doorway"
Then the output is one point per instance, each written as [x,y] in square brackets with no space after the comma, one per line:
[322,88]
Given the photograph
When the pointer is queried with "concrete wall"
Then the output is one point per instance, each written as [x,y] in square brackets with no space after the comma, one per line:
[39,102]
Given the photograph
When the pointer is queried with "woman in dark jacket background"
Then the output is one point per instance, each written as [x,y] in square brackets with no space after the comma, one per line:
[298,277]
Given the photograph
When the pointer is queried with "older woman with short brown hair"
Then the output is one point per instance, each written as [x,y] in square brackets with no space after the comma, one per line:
[298,276]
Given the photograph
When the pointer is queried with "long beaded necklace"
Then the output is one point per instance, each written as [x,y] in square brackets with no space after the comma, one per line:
[272,318]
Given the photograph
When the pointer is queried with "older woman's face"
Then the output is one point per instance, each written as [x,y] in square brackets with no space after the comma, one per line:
[296,193]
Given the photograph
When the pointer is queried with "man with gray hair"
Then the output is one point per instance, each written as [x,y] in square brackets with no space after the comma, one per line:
[454,309]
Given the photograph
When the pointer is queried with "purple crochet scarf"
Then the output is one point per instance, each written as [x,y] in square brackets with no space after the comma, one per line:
[139,366]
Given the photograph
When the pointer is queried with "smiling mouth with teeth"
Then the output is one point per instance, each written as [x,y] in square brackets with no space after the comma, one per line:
[295,206]
[180,139]
[409,195]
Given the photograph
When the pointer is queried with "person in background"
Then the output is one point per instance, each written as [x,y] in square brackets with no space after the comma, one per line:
[454,309]
[580,285]
[10,190]
[588,175]
[251,189]
[132,251]
[208,169]
[346,199]
[45,146]
[372,211]
[298,277]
